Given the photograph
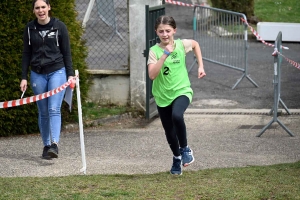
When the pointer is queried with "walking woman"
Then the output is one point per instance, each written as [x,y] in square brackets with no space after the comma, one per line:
[47,51]
[172,88]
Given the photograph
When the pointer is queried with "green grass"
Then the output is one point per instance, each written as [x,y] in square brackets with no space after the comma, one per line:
[260,182]
[92,111]
[277,10]
[271,11]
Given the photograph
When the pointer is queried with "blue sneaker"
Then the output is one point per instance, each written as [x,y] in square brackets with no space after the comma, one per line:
[176,167]
[187,156]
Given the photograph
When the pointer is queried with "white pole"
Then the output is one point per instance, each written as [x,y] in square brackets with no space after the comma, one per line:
[88,13]
[83,169]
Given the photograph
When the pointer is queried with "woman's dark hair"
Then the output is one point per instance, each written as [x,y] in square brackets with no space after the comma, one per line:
[166,20]
[46,1]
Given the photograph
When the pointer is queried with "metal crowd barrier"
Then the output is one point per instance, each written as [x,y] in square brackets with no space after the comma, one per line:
[222,36]
[277,87]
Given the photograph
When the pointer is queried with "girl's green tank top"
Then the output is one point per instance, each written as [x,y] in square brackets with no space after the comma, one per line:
[172,80]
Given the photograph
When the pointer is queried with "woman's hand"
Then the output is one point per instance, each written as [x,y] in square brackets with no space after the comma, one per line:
[23,85]
[73,81]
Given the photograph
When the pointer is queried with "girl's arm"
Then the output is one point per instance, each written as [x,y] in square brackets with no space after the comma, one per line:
[197,52]
[154,69]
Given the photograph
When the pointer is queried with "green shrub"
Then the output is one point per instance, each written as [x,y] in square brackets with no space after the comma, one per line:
[14,16]
[242,6]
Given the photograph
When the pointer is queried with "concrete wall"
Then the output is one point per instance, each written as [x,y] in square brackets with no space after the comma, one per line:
[137,42]
[126,87]
[109,87]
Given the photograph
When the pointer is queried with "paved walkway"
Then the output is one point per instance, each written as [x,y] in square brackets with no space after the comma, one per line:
[218,140]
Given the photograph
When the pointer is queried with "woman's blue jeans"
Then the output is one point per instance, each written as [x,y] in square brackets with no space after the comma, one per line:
[49,119]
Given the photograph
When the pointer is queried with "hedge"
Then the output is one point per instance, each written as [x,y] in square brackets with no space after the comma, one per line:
[14,15]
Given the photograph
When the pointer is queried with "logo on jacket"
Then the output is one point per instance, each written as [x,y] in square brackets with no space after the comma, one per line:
[51,35]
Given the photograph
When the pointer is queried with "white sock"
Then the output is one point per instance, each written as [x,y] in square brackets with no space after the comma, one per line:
[177,157]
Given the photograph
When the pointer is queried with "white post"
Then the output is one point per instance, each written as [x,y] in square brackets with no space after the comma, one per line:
[83,169]
[88,13]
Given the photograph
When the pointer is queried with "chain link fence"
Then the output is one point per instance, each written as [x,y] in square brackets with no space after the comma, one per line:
[106,33]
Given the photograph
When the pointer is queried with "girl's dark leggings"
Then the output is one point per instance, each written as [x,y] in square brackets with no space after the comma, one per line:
[173,123]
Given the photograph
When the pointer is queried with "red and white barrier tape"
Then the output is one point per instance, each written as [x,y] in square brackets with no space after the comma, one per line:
[258,36]
[32,99]
[295,64]
[179,3]
[183,4]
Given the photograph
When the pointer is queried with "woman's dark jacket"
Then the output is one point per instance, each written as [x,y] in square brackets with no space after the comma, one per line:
[48,54]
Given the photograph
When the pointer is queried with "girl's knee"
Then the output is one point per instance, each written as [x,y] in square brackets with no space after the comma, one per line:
[177,117]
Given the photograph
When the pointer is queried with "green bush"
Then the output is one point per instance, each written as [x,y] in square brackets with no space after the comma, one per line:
[242,6]
[14,16]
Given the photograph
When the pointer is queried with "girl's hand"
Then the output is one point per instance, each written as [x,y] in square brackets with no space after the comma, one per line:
[169,48]
[201,72]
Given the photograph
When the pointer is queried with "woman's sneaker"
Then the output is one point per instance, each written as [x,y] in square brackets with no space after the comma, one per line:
[53,151]
[187,156]
[176,167]
[45,152]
